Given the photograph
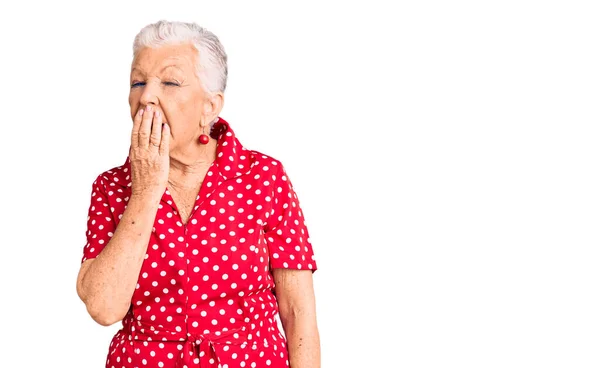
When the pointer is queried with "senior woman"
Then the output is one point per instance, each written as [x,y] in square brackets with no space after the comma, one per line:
[196,243]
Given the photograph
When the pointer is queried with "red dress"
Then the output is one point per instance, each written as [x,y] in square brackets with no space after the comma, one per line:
[205,293]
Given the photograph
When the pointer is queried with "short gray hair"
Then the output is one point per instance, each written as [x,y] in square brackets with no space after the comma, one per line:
[212,58]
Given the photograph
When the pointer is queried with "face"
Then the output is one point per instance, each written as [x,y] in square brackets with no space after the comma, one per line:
[166,78]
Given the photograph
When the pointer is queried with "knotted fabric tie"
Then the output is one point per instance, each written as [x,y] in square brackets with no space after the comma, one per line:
[199,350]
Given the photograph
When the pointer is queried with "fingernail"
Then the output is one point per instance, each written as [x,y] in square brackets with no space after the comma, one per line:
[141,112]
[148,108]
[157,113]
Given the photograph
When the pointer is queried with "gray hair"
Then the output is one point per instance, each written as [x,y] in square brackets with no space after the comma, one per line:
[212,58]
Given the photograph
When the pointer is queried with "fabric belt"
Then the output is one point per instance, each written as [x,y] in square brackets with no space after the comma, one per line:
[198,349]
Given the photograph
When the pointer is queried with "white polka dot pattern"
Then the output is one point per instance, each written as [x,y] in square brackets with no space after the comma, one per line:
[204,297]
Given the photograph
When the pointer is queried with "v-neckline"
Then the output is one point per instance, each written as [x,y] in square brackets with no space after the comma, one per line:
[207,187]
[177,208]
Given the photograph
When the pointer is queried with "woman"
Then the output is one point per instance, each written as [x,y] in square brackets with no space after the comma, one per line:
[196,243]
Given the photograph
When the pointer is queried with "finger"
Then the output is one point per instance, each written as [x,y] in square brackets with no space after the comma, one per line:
[165,141]
[156,129]
[137,121]
[144,132]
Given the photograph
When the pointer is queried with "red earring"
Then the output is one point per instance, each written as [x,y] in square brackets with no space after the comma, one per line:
[203,138]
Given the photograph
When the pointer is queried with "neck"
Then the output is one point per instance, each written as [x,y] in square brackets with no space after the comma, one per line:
[189,167]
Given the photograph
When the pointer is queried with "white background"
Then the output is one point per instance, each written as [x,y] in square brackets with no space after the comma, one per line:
[445,154]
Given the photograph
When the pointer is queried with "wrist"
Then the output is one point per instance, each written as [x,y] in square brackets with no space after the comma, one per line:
[146,196]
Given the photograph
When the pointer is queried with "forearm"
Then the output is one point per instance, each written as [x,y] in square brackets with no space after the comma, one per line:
[302,338]
[109,283]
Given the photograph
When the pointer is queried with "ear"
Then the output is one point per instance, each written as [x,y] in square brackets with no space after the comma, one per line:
[213,106]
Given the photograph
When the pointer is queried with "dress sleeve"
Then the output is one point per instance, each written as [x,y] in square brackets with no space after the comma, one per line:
[285,230]
[100,223]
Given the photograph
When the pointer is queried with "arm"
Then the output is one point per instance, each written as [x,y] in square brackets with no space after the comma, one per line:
[296,299]
[106,283]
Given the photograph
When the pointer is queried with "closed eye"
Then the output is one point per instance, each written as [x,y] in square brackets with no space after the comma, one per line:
[140,84]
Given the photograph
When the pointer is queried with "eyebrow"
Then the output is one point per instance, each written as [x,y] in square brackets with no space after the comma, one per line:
[135,69]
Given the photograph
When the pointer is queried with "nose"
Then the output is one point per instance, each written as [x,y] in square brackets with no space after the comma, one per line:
[149,95]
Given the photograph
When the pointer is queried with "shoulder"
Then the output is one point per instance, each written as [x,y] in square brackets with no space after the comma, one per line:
[265,162]
[118,176]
